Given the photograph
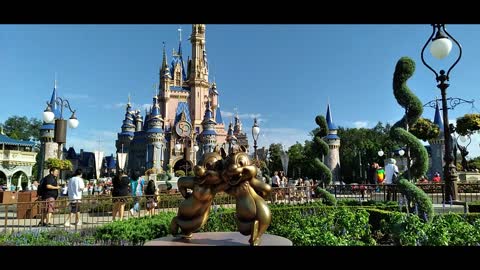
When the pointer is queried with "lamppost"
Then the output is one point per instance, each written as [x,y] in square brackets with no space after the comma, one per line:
[380,153]
[440,48]
[255,133]
[60,135]
[401,152]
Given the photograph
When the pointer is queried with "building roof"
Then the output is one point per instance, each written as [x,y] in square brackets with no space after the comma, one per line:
[332,136]
[218,116]
[126,133]
[330,123]
[208,132]
[47,126]
[4,139]
[111,162]
[182,106]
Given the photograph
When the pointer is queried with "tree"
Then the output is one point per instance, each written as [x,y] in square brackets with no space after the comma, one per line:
[275,163]
[22,128]
[468,124]
[425,129]
[61,164]
[296,158]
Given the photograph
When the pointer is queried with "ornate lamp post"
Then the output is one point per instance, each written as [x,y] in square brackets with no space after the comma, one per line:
[440,48]
[195,148]
[60,136]
[255,133]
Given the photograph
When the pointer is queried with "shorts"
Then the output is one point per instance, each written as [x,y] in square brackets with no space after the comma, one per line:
[50,205]
[151,203]
[75,207]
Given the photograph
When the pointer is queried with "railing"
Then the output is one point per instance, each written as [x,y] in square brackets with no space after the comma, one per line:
[94,211]
[97,210]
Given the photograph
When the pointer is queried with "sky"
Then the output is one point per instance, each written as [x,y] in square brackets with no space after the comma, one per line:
[283,74]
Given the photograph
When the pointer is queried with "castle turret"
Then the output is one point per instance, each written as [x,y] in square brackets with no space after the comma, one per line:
[437,145]
[48,148]
[231,138]
[208,137]
[332,160]
[155,138]
[128,128]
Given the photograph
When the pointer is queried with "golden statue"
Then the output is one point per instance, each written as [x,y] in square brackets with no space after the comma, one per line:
[193,211]
[253,214]
[233,174]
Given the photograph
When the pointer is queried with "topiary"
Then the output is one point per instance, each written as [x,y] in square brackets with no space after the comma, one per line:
[321,147]
[413,110]
[327,197]
[418,198]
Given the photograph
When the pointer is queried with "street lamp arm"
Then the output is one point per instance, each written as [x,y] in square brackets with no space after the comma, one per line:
[63,103]
[423,50]
[453,102]
[459,47]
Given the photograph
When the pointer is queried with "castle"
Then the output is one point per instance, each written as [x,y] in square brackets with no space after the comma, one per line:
[184,121]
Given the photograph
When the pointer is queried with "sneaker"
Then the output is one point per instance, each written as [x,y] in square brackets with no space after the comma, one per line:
[79,223]
[67,224]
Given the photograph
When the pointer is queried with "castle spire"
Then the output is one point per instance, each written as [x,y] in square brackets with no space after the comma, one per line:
[438,118]
[179,41]
[330,124]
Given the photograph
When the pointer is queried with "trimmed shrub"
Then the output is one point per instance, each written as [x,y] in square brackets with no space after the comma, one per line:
[327,197]
[418,198]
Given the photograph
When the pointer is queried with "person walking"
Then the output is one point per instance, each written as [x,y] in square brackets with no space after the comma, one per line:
[49,193]
[75,190]
[119,194]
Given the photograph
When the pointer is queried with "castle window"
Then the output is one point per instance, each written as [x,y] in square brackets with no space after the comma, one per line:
[177,78]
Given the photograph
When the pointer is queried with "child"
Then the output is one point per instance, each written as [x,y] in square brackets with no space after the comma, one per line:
[151,198]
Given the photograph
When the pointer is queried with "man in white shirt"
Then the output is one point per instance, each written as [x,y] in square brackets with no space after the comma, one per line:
[75,189]
[391,169]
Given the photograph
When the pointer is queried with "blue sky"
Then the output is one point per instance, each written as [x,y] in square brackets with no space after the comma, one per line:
[283,74]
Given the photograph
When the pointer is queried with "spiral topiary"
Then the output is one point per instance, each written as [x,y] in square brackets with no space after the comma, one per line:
[419,198]
[413,106]
[321,147]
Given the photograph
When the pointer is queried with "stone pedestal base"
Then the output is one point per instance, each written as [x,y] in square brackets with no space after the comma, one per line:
[219,239]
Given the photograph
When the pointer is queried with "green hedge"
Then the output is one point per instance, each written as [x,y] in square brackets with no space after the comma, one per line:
[326,196]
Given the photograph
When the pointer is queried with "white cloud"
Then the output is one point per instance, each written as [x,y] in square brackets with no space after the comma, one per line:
[360,124]
[93,140]
[284,136]
[229,116]
[123,105]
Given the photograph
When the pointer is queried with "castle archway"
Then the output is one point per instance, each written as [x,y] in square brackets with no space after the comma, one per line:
[183,165]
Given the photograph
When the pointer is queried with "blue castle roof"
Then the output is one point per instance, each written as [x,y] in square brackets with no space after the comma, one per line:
[208,132]
[330,123]
[182,106]
[155,130]
[53,103]
[218,116]
[111,162]
[4,139]
[47,126]
[438,119]
[332,136]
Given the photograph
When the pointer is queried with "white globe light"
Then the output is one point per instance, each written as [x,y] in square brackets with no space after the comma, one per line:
[196,148]
[48,116]
[441,48]
[401,152]
[256,131]
[73,123]
[380,153]
[463,138]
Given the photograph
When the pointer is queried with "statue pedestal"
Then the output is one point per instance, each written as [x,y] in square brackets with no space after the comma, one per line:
[218,239]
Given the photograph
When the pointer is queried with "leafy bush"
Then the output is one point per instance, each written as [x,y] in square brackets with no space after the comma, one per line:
[180,173]
[55,237]
[59,164]
[136,230]
[419,198]
[327,197]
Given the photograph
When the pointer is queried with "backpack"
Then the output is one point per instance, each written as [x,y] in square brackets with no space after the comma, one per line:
[41,188]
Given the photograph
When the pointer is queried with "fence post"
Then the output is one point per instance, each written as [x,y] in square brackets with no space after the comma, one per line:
[6,217]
